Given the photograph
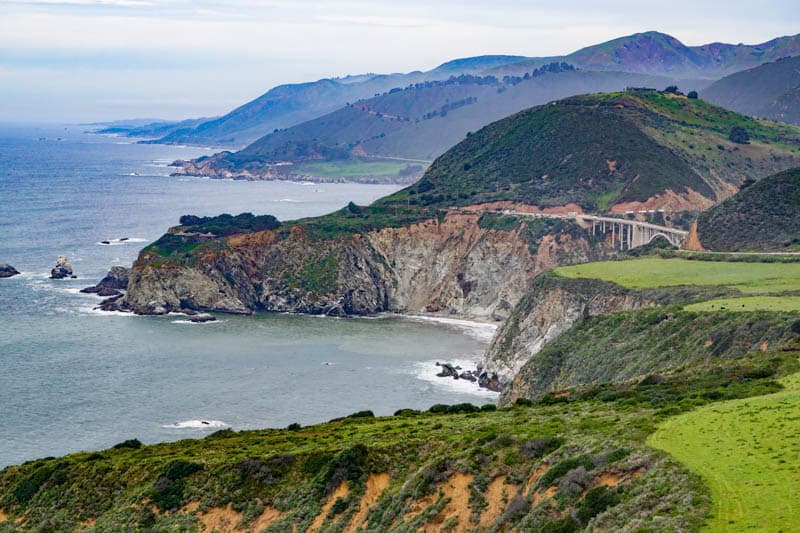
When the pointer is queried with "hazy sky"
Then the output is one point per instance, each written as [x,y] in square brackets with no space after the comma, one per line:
[80,60]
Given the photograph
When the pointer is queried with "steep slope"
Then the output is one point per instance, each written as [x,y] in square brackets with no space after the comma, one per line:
[764,216]
[618,152]
[770,91]
[419,122]
[356,261]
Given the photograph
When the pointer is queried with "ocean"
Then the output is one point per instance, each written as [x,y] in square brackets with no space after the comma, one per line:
[73,378]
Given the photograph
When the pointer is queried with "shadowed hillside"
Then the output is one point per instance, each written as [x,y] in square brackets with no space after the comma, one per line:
[764,216]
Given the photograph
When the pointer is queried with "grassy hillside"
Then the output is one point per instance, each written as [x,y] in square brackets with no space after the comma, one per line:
[764,216]
[768,91]
[421,121]
[600,150]
[579,464]
[747,452]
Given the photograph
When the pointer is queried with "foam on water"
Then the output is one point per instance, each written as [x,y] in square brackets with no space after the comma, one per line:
[479,330]
[427,370]
[197,424]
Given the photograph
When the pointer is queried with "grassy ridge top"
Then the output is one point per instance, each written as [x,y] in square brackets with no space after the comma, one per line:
[650,272]
[602,149]
[762,217]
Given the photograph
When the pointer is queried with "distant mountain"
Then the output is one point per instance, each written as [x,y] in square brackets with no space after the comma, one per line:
[650,53]
[764,217]
[657,53]
[607,152]
[150,128]
[770,91]
[418,123]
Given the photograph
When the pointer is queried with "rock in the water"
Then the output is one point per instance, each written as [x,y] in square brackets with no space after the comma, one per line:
[202,318]
[6,271]
[116,280]
[447,370]
[63,269]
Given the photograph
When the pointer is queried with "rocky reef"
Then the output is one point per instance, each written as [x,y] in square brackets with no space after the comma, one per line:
[7,271]
[63,269]
[115,281]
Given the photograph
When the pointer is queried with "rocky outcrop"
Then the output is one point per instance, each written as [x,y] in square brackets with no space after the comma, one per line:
[7,271]
[551,306]
[448,266]
[115,281]
[63,269]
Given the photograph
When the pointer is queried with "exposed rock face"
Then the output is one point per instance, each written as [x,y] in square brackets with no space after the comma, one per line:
[451,266]
[63,269]
[551,306]
[7,271]
[115,281]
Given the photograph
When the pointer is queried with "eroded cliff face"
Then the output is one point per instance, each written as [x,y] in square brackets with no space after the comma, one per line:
[450,266]
[551,306]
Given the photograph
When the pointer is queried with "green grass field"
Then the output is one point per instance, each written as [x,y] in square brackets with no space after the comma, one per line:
[749,303]
[341,169]
[748,451]
[651,272]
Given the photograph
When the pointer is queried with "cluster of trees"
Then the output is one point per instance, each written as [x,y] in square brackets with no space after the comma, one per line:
[550,68]
[226,224]
[450,106]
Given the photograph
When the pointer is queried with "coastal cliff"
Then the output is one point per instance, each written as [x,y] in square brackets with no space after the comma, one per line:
[458,263]
[550,307]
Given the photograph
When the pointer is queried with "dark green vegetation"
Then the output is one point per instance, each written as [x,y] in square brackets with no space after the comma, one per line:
[764,216]
[222,225]
[770,91]
[604,149]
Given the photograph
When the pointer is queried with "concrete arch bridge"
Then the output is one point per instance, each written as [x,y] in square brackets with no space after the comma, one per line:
[625,234]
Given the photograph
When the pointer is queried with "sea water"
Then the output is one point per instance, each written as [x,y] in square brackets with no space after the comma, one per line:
[73,378]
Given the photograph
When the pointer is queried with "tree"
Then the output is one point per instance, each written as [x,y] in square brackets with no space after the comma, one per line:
[692,95]
[739,135]
[672,89]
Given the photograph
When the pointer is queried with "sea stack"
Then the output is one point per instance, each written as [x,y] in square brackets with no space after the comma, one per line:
[63,269]
[7,271]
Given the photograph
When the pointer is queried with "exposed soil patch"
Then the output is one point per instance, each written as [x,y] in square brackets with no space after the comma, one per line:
[539,472]
[376,484]
[538,496]
[456,489]
[497,496]
[220,520]
[341,492]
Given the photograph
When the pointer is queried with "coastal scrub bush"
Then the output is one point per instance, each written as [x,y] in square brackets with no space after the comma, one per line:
[558,470]
[226,224]
[133,444]
[349,465]
[438,408]
[595,502]
[362,414]
[294,426]
[535,448]
[462,408]
[167,492]
[29,486]
[406,412]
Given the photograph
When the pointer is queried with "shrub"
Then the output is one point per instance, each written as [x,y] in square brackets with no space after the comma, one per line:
[739,135]
[462,408]
[406,412]
[595,502]
[28,487]
[348,465]
[692,95]
[362,414]
[523,402]
[562,467]
[133,444]
[533,449]
[438,408]
[574,481]
[488,407]
[167,492]
[294,426]
[566,524]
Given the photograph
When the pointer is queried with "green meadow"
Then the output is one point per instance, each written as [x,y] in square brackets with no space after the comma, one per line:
[749,303]
[748,452]
[650,272]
